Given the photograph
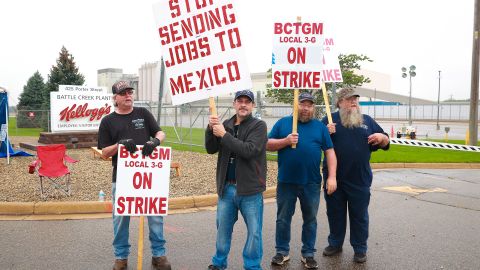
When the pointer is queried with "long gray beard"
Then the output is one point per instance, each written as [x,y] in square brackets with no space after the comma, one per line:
[351,119]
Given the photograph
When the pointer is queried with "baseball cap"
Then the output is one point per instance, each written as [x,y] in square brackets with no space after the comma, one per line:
[246,93]
[120,86]
[347,93]
[305,96]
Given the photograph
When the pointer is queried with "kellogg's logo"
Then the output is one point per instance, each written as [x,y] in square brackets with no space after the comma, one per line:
[82,111]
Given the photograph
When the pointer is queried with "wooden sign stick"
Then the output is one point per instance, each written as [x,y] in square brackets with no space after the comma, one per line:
[213,108]
[327,103]
[140,243]
[295,114]
[295,104]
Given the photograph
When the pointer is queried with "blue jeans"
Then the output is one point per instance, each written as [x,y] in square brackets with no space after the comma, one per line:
[121,224]
[251,208]
[356,200]
[309,197]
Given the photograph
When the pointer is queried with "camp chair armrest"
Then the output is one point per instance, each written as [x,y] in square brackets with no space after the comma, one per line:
[32,166]
[69,159]
[34,163]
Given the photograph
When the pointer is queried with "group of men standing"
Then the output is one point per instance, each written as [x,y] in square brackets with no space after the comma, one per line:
[347,143]
[241,143]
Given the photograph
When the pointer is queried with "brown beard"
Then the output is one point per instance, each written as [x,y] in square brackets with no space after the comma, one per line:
[351,118]
[305,118]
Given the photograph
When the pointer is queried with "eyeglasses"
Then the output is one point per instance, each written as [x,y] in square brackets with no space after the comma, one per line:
[353,99]
[306,104]
[243,101]
[126,92]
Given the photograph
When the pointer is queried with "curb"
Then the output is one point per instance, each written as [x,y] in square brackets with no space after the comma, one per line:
[425,165]
[182,203]
[94,207]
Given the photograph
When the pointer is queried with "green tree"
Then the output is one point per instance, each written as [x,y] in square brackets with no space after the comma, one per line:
[32,95]
[30,100]
[65,72]
[349,63]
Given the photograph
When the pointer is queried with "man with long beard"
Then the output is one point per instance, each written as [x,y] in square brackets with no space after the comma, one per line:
[299,177]
[354,137]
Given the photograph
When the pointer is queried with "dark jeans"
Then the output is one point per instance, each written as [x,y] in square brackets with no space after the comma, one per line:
[309,197]
[356,200]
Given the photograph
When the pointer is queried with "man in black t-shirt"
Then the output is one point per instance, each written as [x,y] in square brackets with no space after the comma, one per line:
[131,126]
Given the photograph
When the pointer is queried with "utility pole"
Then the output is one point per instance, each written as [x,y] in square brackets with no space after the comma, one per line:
[438,102]
[473,125]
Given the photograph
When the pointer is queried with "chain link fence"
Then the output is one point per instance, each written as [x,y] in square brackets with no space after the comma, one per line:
[187,121]
[33,117]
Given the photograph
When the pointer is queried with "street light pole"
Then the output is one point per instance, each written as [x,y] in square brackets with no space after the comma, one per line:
[410,104]
[438,102]
[411,73]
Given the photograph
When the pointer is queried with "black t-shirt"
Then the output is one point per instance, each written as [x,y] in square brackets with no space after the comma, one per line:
[230,178]
[138,125]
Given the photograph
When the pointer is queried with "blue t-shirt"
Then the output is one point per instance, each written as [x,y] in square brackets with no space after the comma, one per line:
[353,151]
[301,165]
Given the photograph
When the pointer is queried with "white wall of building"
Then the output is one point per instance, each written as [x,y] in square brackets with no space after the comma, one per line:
[379,81]
[149,83]
[108,76]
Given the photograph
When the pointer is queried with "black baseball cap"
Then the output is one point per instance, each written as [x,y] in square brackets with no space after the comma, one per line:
[246,93]
[120,86]
[305,96]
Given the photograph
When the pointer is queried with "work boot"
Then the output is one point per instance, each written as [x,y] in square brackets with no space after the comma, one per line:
[280,259]
[120,264]
[331,250]
[309,262]
[360,257]
[161,263]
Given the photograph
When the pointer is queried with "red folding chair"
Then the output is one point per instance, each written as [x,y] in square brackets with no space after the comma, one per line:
[51,165]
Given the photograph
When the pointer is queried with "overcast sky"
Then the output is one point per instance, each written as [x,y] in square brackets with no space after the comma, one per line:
[433,35]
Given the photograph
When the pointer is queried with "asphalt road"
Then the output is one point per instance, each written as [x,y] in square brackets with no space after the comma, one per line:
[438,229]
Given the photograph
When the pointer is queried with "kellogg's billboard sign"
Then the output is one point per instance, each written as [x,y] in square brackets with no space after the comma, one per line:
[79,108]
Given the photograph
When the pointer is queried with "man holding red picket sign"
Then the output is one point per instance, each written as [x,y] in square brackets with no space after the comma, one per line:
[241,179]
[131,126]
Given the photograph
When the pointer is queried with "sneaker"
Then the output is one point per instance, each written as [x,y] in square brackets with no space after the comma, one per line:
[331,250]
[161,263]
[309,262]
[360,257]
[213,267]
[120,264]
[280,259]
